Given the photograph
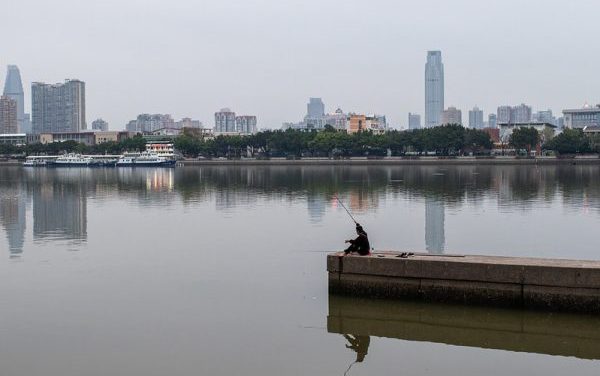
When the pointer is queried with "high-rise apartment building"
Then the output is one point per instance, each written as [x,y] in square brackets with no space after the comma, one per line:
[13,88]
[452,115]
[515,114]
[150,123]
[99,125]
[521,114]
[492,121]
[245,124]
[476,118]
[59,107]
[8,115]
[414,121]
[434,89]
[225,121]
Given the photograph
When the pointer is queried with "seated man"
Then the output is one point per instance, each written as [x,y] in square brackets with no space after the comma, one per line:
[359,245]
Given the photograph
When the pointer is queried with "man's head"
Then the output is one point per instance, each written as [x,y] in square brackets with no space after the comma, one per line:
[359,228]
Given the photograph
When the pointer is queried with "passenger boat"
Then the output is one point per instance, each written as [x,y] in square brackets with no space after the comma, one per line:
[39,161]
[75,160]
[144,159]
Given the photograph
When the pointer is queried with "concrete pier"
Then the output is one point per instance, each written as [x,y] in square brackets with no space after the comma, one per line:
[547,284]
[548,333]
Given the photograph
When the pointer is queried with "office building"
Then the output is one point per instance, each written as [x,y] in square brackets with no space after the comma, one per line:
[434,89]
[315,108]
[492,121]
[99,125]
[414,121]
[225,121]
[13,88]
[245,124]
[583,117]
[452,115]
[476,118]
[58,107]
[8,115]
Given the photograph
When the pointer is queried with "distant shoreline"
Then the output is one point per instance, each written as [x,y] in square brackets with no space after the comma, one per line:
[388,161]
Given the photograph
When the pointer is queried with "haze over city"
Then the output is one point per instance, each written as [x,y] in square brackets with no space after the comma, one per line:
[267,57]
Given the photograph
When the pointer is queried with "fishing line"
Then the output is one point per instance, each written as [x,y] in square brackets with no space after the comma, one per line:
[345,208]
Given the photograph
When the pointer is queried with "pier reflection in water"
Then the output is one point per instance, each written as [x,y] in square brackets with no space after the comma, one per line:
[488,328]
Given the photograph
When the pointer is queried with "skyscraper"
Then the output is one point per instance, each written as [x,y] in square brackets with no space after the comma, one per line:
[476,118]
[315,108]
[59,107]
[225,121]
[434,89]
[13,88]
[414,121]
[99,125]
[8,115]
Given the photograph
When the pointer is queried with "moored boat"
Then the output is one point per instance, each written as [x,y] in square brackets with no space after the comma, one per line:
[144,159]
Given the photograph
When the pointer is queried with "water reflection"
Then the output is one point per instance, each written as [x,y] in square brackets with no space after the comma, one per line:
[59,197]
[511,330]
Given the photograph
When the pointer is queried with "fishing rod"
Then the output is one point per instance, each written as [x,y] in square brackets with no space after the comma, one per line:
[345,208]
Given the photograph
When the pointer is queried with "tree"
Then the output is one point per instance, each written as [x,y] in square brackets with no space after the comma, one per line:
[477,140]
[524,138]
[570,141]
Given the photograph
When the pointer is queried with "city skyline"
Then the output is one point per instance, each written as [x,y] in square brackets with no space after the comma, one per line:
[275,79]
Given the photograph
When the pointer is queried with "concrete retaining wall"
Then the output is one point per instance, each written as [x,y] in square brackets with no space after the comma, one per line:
[501,281]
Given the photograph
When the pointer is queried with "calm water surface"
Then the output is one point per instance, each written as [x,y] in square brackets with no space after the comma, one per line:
[221,270]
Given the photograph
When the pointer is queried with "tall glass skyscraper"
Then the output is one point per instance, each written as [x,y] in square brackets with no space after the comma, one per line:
[13,88]
[434,89]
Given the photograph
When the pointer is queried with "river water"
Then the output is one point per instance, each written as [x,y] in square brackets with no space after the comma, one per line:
[221,270]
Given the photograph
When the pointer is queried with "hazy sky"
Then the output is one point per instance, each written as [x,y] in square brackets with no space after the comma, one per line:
[266,57]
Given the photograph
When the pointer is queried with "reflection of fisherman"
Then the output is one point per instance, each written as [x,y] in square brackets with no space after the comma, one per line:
[359,344]
[360,244]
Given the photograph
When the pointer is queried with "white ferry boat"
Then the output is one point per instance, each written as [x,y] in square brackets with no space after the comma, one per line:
[74,160]
[39,161]
[144,159]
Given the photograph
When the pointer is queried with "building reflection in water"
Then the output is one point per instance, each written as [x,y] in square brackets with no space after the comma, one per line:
[434,225]
[13,218]
[60,211]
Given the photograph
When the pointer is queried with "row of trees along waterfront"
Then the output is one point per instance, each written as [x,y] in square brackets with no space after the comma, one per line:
[445,140]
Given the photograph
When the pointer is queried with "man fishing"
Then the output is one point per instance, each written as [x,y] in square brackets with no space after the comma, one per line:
[359,245]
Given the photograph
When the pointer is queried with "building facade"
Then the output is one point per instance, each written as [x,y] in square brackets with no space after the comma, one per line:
[514,114]
[225,121]
[366,123]
[188,123]
[476,118]
[492,121]
[100,125]
[245,124]
[146,123]
[337,119]
[414,121]
[58,107]
[587,116]
[434,89]
[452,115]
[8,115]
[13,88]
[315,108]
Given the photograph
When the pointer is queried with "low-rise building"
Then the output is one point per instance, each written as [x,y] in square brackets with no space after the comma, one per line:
[583,117]
[546,130]
[16,139]
[363,123]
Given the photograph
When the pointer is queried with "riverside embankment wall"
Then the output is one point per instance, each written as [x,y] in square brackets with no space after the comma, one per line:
[394,161]
[549,284]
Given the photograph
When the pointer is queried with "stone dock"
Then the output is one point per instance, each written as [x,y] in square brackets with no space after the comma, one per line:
[546,284]
[548,333]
